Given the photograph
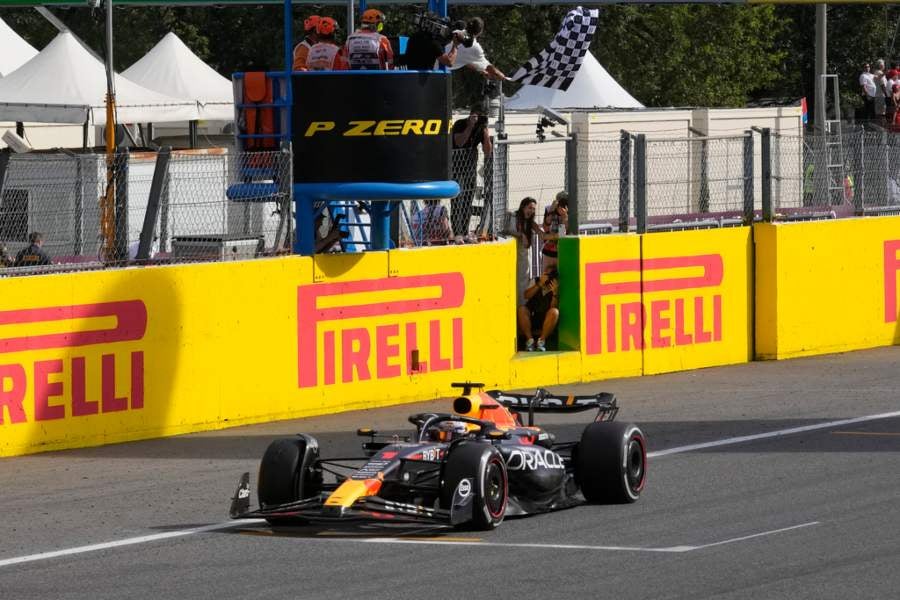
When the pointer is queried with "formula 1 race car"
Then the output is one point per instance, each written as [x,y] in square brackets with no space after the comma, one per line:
[470,468]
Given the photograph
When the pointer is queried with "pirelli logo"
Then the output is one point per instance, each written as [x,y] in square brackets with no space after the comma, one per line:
[338,342]
[57,387]
[891,266]
[384,127]
[674,301]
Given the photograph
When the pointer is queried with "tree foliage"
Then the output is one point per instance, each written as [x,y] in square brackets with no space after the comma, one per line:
[664,55]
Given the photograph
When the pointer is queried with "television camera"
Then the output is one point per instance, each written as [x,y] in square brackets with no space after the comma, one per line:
[442,29]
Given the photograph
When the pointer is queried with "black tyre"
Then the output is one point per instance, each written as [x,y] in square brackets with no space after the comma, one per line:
[487,469]
[287,472]
[611,462]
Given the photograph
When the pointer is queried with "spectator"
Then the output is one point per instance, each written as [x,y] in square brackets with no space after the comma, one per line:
[881,94]
[301,50]
[33,255]
[473,56]
[894,101]
[867,91]
[525,230]
[5,259]
[468,134]
[431,225]
[890,109]
[556,222]
[326,54]
[424,52]
[540,313]
[367,49]
[328,242]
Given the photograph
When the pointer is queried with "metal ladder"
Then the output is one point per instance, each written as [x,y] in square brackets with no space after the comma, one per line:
[834,148]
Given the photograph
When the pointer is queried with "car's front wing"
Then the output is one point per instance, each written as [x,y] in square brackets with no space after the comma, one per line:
[369,508]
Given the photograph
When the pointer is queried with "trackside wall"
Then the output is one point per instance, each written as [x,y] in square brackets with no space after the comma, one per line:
[665,302]
[826,286]
[101,357]
[94,358]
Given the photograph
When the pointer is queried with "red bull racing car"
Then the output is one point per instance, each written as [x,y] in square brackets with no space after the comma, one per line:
[468,468]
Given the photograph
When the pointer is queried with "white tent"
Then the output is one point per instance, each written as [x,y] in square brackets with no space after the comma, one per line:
[65,84]
[171,68]
[592,87]
[14,51]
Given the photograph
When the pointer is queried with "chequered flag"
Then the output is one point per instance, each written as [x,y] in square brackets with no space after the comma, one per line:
[557,64]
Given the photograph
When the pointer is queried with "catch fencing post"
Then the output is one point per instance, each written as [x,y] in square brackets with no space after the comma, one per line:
[766,157]
[152,214]
[748,177]
[640,182]
[4,165]
[624,179]
[572,182]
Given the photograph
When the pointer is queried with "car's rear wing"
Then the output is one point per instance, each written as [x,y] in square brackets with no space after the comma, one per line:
[544,401]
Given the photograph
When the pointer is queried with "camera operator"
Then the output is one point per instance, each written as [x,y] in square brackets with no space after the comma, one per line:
[466,136]
[556,222]
[425,48]
[472,55]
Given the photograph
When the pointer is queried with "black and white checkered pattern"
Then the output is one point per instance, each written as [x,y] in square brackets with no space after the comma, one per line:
[557,64]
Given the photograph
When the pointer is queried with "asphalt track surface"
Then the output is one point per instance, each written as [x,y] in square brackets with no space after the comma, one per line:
[767,480]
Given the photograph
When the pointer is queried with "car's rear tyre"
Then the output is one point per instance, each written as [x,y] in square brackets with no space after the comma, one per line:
[483,464]
[611,462]
[287,473]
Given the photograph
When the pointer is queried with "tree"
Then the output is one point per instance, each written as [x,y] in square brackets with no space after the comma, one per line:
[690,55]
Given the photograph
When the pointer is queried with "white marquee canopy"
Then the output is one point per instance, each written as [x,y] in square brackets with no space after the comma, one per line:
[65,84]
[593,87]
[14,51]
[171,68]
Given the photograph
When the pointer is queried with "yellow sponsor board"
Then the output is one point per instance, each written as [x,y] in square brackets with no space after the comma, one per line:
[408,327]
[95,358]
[665,302]
[697,299]
[826,286]
[611,327]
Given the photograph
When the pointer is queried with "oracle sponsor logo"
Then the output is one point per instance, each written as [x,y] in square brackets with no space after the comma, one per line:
[58,386]
[352,349]
[617,326]
[891,266]
[532,459]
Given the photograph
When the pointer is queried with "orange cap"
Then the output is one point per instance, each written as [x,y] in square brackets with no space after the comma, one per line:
[326,26]
[373,16]
[310,22]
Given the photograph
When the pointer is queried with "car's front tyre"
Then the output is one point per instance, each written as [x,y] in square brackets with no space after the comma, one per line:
[287,473]
[485,467]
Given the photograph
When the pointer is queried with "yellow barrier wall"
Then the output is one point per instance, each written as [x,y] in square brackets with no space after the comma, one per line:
[611,327]
[697,299]
[93,358]
[826,286]
[665,301]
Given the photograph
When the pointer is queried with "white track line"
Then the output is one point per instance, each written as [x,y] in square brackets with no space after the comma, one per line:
[144,539]
[770,434]
[677,450]
[665,549]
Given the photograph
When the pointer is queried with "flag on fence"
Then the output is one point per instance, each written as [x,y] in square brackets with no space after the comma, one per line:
[557,64]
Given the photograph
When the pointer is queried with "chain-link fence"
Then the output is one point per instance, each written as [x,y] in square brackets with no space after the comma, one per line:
[856,172]
[220,205]
[469,217]
[191,205]
[601,184]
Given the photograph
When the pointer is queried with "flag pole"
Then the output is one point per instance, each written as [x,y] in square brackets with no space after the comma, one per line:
[107,204]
